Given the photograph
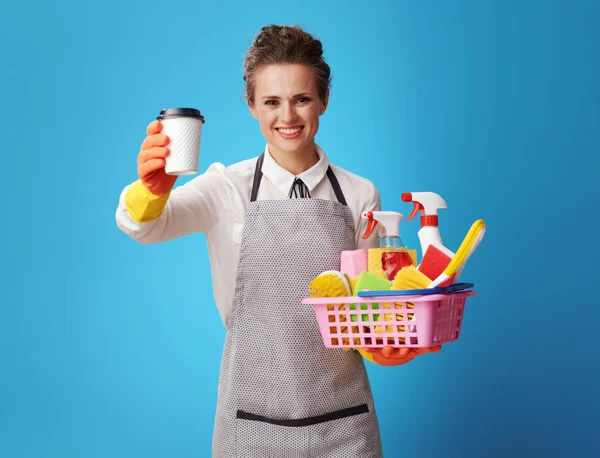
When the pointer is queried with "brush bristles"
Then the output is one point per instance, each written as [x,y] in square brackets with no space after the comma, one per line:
[329,285]
[410,277]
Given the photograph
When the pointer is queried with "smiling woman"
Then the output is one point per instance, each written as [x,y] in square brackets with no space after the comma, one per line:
[281,392]
[287,89]
[287,108]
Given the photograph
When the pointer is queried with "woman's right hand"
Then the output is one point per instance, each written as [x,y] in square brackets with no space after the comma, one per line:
[151,161]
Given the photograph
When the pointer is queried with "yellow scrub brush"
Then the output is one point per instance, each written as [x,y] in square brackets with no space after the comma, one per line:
[409,277]
[330,283]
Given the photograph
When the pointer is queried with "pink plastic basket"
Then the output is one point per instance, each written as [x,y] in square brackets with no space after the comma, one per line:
[396,321]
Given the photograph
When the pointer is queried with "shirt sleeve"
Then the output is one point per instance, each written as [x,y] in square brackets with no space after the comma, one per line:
[373,203]
[193,207]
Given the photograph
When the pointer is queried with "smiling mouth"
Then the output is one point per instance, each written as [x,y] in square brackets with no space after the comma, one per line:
[289,132]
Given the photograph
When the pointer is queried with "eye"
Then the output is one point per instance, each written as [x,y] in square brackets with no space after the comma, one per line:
[271,102]
[303,100]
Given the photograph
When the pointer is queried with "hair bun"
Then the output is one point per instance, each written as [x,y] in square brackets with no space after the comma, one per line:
[276,44]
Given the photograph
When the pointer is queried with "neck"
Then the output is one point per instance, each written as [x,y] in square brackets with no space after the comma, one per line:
[295,162]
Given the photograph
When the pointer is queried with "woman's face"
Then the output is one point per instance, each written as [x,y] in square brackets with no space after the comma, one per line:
[287,107]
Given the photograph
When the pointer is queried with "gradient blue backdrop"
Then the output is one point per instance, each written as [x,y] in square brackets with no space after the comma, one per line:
[111,349]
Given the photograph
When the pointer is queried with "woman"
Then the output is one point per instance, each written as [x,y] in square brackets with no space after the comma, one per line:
[272,224]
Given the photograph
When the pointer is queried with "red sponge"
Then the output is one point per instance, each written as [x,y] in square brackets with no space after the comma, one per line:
[434,262]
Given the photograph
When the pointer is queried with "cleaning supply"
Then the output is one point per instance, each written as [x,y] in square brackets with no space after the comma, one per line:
[394,254]
[417,292]
[428,203]
[412,278]
[464,252]
[330,283]
[366,281]
[353,262]
[435,256]
[434,262]
[375,263]
[354,280]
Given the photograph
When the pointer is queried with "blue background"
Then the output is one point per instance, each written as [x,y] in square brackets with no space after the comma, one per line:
[111,349]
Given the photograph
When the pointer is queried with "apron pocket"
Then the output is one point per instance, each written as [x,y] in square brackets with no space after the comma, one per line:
[258,436]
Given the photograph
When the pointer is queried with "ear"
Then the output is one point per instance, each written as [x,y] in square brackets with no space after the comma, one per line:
[325,102]
[252,108]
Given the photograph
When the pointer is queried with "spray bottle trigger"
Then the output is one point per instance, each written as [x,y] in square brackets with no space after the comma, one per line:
[417,206]
[371,226]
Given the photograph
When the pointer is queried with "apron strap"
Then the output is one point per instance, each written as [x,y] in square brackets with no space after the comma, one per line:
[336,186]
[258,176]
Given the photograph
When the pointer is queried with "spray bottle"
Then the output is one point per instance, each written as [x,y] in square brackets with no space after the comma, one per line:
[428,203]
[387,224]
[435,256]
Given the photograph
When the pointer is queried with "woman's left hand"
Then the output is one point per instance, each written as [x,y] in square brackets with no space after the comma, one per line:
[390,356]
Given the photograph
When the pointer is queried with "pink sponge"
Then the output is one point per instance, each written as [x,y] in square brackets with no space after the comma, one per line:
[434,262]
[354,262]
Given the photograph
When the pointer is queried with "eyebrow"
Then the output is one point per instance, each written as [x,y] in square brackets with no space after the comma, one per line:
[295,96]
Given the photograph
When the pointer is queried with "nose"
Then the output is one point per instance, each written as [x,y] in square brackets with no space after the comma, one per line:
[288,113]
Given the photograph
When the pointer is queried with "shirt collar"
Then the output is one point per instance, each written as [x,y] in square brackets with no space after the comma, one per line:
[283,180]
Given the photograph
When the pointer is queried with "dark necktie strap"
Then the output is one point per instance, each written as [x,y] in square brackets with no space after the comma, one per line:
[299,189]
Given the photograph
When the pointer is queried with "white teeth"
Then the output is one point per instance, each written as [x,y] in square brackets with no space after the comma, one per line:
[290,131]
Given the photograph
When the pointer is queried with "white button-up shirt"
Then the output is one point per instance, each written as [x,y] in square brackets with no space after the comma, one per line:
[215,203]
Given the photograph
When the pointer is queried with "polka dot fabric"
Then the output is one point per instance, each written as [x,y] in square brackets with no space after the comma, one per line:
[281,392]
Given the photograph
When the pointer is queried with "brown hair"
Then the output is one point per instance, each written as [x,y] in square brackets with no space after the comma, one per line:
[276,44]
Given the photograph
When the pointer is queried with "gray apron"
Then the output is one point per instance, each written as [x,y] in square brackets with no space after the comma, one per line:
[281,392]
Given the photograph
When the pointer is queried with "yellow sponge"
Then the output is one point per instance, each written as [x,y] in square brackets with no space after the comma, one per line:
[353,282]
[379,272]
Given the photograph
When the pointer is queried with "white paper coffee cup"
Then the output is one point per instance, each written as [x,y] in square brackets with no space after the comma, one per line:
[183,126]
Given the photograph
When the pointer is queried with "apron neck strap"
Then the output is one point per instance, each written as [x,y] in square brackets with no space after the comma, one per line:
[258,176]
[336,186]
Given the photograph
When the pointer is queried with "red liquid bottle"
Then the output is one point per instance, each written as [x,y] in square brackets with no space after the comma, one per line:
[395,256]
[393,261]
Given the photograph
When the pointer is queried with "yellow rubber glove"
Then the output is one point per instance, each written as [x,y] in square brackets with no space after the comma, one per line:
[142,205]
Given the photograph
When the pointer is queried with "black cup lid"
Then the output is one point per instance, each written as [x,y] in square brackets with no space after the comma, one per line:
[176,112]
